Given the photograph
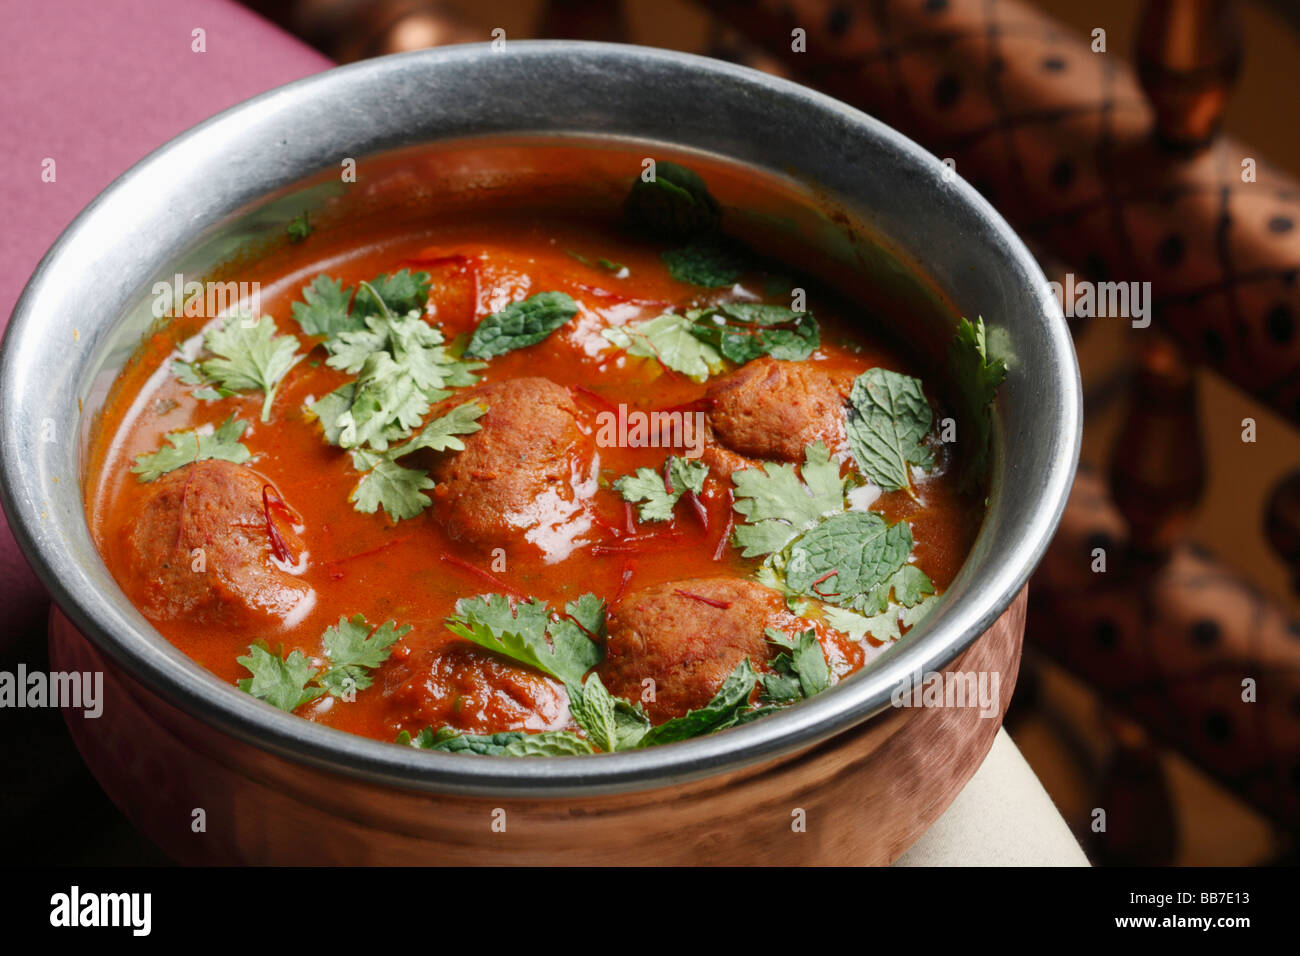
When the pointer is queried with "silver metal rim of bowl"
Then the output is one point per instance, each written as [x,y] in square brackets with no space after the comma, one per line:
[190,184]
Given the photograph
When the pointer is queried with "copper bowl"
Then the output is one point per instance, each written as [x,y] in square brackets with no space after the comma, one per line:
[437,133]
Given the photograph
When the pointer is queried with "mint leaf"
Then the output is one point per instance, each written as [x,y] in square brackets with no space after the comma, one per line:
[520,631]
[667,338]
[847,555]
[449,740]
[354,650]
[611,723]
[710,261]
[521,324]
[889,417]
[778,504]
[280,682]
[513,743]
[744,331]
[659,493]
[549,743]
[977,377]
[722,711]
[676,204]
[187,447]
[325,308]
[250,356]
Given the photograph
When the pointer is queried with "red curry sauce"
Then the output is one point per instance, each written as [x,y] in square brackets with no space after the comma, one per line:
[413,571]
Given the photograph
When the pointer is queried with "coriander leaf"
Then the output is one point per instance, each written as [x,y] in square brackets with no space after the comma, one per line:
[658,493]
[440,433]
[977,377]
[743,331]
[846,555]
[913,616]
[324,308]
[250,356]
[800,670]
[402,366]
[732,698]
[521,324]
[188,372]
[187,447]
[882,627]
[299,228]
[520,631]
[353,650]
[582,623]
[675,204]
[211,394]
[667,338]
[710,261]
[782,685]
[609,722]
[889,417]
[777,504]
[396,488]
[885,624]
[403,291]
[329,410]
[280,682]
[908,584]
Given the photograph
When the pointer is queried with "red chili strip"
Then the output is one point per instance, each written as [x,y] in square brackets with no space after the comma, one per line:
[629,568]
[633,545]
[365,554]
[617,353]
[595,397]
[701,512]
[629,517]
[457,259]
[484,575]
[726,529]
[720,605]
[828,574]
[279,547]
[609,526]
[701,404]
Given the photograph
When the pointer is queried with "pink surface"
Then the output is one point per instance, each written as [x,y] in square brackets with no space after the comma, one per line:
[96,85]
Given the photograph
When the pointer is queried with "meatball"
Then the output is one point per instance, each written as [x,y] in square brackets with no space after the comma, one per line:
[475,692]
[772,410]
[525,473]
[199,547]
[688,636]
